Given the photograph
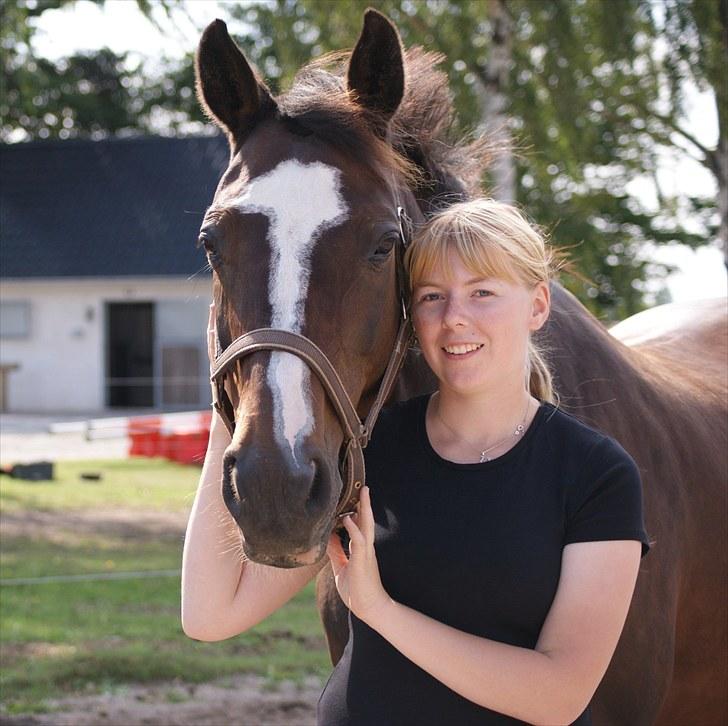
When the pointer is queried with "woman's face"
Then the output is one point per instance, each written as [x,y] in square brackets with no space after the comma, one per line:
[474,331]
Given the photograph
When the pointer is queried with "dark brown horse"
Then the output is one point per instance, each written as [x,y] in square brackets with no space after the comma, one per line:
[300,236]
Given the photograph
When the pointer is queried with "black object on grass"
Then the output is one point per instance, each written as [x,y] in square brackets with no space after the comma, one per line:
[35,471]
[91,475]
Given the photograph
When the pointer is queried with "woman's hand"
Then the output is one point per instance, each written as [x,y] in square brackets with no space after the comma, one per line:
[357,577]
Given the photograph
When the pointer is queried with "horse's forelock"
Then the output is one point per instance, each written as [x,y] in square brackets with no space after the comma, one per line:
[419,149]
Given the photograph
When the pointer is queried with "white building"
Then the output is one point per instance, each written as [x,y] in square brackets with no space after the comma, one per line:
[103,293]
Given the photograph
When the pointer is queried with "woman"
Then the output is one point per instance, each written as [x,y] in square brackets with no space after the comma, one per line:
[492,565]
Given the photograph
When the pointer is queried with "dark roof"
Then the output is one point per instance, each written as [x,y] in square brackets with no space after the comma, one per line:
[116,207]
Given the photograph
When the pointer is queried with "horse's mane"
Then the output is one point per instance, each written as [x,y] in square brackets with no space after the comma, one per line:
[420,144]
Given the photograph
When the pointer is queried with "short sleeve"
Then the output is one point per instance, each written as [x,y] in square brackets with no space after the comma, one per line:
[606,501]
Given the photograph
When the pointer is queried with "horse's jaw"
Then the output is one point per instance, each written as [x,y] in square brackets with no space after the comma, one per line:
[287,561]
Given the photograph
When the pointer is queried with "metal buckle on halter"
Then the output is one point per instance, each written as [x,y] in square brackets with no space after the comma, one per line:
[405,226]
[405,232]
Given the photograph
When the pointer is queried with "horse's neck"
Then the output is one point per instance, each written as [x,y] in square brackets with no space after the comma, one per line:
[588,365]
[415,379]
[593,372]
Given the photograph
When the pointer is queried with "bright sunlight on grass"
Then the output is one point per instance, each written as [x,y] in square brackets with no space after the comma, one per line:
[149,484]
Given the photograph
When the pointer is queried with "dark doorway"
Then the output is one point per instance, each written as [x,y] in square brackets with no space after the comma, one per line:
[130,359]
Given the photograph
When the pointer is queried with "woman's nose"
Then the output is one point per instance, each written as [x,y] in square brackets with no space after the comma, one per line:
[454,314]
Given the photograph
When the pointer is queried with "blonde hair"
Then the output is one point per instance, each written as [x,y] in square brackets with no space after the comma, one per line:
[493,239]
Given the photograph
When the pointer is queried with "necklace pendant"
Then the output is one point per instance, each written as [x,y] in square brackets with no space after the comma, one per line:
[483,457]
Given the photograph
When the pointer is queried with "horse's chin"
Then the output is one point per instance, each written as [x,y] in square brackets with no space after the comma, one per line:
[286,561]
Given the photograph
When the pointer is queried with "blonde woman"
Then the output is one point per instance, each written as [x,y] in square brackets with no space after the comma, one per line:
[494,560]
[492,564]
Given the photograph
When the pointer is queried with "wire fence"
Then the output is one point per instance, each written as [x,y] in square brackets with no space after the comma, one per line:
[90,577]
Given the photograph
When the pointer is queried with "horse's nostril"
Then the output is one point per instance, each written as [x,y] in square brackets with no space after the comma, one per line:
[317,495]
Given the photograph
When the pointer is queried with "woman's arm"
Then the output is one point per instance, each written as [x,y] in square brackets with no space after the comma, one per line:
[223,595]
[211,562]
[551,684]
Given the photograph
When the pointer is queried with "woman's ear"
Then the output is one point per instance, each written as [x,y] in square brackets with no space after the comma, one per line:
[540,305]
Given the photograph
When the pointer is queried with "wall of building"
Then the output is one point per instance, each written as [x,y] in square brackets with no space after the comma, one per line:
[61,363]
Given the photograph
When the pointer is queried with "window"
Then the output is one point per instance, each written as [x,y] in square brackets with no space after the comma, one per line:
[15,319]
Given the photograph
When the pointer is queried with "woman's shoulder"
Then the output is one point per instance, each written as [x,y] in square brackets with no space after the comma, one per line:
[603,492]
[559,422]
[577,439]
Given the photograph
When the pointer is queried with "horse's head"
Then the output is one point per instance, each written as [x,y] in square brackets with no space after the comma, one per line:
[301,236]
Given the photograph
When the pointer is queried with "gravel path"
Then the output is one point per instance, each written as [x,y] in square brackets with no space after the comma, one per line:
[238,701]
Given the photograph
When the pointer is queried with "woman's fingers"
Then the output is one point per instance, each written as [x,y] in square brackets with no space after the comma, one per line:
[365,519]
[355,534]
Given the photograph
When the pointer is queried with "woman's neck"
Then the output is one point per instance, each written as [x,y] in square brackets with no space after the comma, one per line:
[482,419]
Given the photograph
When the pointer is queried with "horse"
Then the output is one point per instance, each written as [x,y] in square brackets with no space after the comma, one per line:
[302,236]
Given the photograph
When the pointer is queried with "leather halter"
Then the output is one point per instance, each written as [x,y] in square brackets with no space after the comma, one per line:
[356,432]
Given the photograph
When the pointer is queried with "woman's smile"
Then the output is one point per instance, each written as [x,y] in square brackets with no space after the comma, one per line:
[461,351]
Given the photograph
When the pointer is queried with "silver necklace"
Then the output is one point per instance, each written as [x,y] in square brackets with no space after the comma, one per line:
[484,452]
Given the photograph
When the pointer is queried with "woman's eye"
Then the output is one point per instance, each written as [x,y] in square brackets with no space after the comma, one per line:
[429,296]
[483,293]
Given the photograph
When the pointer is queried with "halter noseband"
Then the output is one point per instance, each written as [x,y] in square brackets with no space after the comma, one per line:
[356,433]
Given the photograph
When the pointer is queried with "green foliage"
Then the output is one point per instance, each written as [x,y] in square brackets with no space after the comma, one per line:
[582,95]
[594,94]
[87,94]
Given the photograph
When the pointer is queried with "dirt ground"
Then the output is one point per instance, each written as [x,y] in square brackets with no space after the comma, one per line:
[60,526]
[236,701]
[233,701]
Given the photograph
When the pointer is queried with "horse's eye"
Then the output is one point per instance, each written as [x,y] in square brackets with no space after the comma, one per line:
[385,246]
[209,246]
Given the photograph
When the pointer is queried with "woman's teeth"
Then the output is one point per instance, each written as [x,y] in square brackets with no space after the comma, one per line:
[461,349]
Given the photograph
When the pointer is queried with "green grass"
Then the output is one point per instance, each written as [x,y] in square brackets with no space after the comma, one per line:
[150,484]
[63,638]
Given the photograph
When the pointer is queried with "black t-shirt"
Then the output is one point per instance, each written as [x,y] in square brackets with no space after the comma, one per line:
[476,546]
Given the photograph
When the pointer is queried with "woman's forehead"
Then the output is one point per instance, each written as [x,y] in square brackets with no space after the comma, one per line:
[451,268]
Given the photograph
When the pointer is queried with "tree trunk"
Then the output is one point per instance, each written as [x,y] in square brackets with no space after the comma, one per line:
[721,96]
[722,152]
[493,88]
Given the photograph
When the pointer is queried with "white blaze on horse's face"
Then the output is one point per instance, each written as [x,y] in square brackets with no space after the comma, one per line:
[301,201]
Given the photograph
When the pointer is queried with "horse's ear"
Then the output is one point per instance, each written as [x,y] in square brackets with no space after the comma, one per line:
[227,87]
[376,70]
